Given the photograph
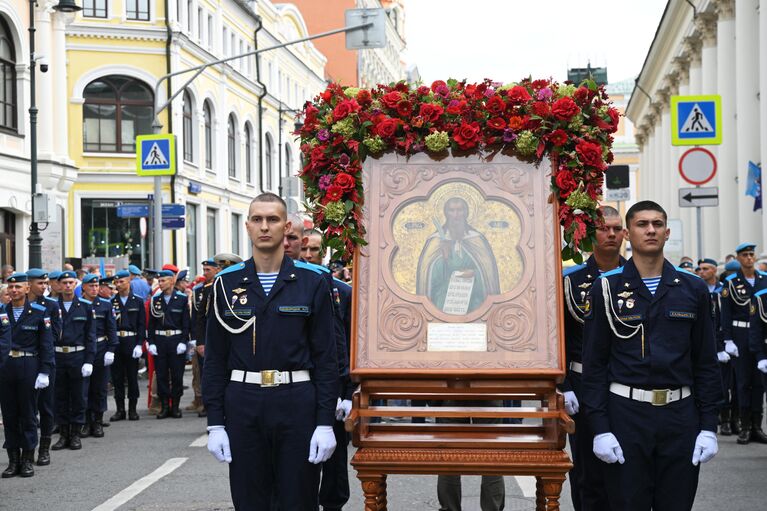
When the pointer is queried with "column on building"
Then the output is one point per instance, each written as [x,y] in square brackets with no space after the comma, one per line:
[44,85]
[694,46]
[706,24]
[640,136]
[727,162]
[59,78]
[667,168]
[747,108]
[763,102]
[682,68]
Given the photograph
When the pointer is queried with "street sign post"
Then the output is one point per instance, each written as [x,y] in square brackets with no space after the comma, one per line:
[156,155]
[699,197]
[696,120]
[142,210]
[697,166]
[173,222]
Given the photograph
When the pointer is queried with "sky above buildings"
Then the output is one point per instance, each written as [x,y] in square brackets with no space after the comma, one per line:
[507,40]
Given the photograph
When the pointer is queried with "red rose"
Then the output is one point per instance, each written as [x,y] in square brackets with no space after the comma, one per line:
[467,135]
[518,94]
[615,119]
[344,108]
[564,109]
[391,99]
[565,182]
[423,90]
[456,107]
[344,181]
[430,112]
[326,95]
[334,193]
[437,84]
[557,137]
[495,105]
[518,122]
[541,109]
[404,108]
[364,98]
[386,128]
[582,95]
[590,154]
[496,123]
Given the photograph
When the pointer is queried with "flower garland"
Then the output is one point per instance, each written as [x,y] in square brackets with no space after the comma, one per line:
[532,119]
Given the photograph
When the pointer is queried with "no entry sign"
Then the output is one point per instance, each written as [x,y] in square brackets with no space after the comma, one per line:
[697,166]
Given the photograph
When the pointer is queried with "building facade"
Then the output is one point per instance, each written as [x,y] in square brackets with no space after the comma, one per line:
[696,51]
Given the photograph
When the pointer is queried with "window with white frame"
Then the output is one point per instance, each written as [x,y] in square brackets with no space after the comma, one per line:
[94,8]
[8,93]
[208,120]
[188,127]
[137,10]
[232,146]
[248,154]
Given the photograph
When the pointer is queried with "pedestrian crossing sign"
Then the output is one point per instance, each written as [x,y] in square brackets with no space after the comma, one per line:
[156,155]
[696,120]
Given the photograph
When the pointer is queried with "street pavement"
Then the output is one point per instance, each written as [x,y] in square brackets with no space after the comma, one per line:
[154,465]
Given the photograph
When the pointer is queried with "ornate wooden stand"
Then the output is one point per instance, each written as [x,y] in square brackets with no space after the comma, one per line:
[455,449]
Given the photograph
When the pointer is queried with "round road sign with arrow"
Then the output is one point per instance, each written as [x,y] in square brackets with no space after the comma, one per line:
[697,166]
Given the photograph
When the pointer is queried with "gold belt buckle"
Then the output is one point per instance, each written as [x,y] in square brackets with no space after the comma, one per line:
[267,378]
[65,349]
[660,397]
[14,354]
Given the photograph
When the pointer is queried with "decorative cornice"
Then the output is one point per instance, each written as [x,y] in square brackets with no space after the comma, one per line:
[725,9]
[705,23]
[103,32]
[692,46]
[681,65]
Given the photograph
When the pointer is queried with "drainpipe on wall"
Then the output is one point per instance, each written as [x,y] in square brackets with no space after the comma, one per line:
[260,108]
[169,88]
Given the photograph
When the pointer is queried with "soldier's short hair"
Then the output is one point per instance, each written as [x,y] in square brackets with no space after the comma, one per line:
[645,205]
[271,197]
[312,232]
[609,211]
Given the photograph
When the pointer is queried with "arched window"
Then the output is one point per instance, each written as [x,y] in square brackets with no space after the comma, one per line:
[288,161]
[7,78]
[188,127]
[116,110]
[268,161]
[206,113]
[248,150]
[231,146]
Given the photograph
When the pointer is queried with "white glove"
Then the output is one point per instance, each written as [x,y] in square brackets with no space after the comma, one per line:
[86,370]
[42,381]
[762,365]
[218,444]
[706,447]
[322,445]
[137,351]
[153,349]
[731,348]
[343,408]
[109,357]
[181,348]
[607,448]
[723,357]
[571,403]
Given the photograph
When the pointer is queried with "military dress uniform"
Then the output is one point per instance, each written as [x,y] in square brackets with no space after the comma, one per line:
[650,378]
[168,327]
[96,387]
[26,349]
[586,481]
[271,377]
[737,313]
[131,332]
[725,367]
[75,348]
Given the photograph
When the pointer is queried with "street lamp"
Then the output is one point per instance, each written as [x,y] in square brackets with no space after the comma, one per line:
[35,240]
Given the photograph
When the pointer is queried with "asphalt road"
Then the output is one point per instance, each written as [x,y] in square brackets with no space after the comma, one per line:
[164,465]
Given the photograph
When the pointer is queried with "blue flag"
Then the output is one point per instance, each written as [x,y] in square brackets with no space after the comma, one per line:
[754,184]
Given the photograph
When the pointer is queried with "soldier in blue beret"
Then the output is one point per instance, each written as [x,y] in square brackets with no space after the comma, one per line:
[168,334]
[651,385]
[270,381]
[738,309]
[46,402]
[75,353]
[26,352]
[200,301]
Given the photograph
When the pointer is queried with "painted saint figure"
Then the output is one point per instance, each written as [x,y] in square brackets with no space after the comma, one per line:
[457,268]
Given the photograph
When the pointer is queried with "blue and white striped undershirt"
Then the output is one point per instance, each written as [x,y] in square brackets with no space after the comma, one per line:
[17,312]
[267,281]
[652,284]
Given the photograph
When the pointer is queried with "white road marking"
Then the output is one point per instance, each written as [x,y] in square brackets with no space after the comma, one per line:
[141,485]
[202,441]
[527,485]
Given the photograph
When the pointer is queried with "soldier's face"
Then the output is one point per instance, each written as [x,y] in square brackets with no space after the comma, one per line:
[294,239]
[209,272]
[647,232]
[267,226]
[38,286]
[610,235]
[90,290]
[313,253]
[746,259]
[67,286]
[55,286]
[17,290]
[166,283]
[123,284]
[708,272]
[105,291]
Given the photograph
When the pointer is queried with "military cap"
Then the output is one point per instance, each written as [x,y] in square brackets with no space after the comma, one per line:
[18,277]
[165,273]
[685,264]
[90,278]
[69,274]
[122,274]
[54,275]
[745,246]
[36,273]
[209,262]
[182,275]
[106,281]
[171,267]
[708,260]
[732,266]
[225,259]
[133,269]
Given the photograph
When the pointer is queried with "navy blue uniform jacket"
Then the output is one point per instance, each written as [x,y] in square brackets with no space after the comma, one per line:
[31,333]
[78,326]
[130,317]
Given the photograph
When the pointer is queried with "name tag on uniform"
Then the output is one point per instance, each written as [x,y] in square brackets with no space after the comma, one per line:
[682,315]
[79,318]
[631,317]
[100,316]
[133,310]
[294,309]
[176,310]
[240,313]
[29,327]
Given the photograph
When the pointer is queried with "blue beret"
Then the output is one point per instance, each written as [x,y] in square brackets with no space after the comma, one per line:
[122,274]
[18,277]
[708,260]
[685,264]
[54,275]
[732,266]
[90,278]
[182,275]
[165,273]
[209,262]
[134,270]
[745,246]
[36,273]
[67,275]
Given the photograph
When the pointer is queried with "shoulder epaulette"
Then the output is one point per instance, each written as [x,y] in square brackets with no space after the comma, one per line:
[760,292]
[682,270]
[339,281]
[730,277]
[37,306]
[157,293]
[572,269]
[198,286]
[179,293]
[85,301]
[616,271]
[231,269]
[762,273]
[49,299]
[319,270]
[104,300]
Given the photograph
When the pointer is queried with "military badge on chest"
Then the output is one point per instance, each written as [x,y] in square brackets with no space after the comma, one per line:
[240,295]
